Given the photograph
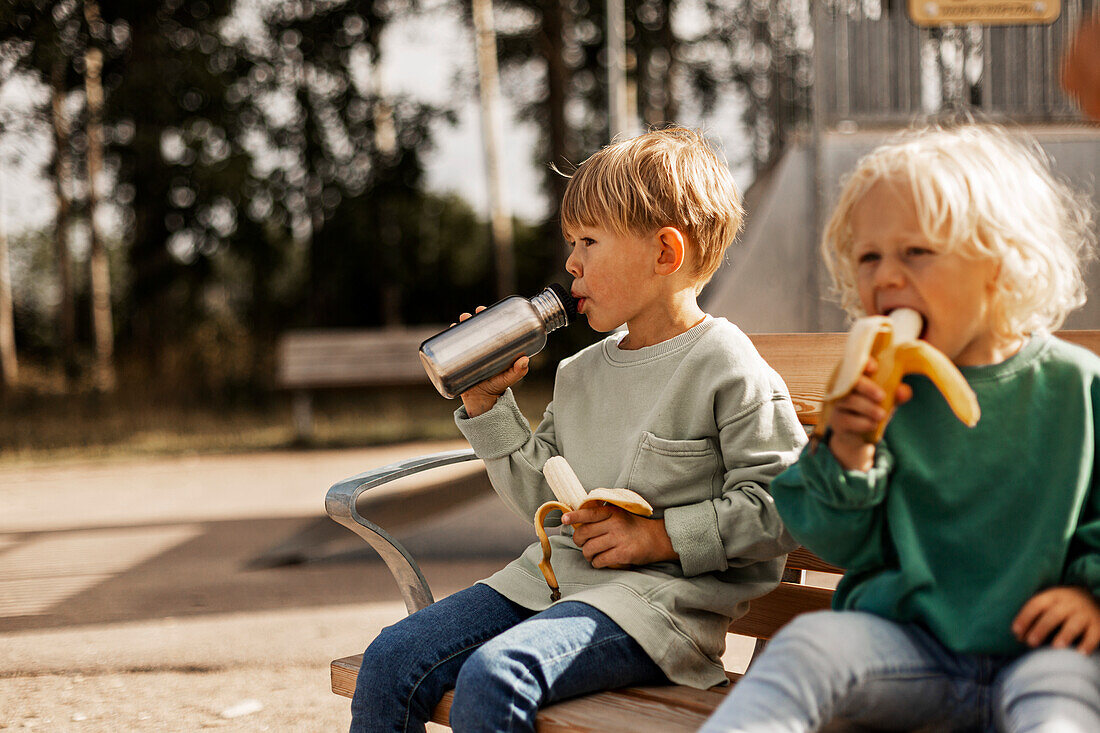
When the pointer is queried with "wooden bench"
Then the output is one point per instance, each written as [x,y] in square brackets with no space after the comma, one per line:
[308,360]
[804,361]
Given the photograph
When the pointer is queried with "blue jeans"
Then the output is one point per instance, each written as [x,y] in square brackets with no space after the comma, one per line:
[503,661]
[886,675]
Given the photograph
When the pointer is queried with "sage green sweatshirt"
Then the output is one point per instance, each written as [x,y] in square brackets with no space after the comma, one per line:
[698,425]
[955,528]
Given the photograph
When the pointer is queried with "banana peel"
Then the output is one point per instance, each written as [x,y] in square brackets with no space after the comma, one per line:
[894,342]
[571,496]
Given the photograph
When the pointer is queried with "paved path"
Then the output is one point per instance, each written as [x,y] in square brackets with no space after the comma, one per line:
[128,601]
[129,597]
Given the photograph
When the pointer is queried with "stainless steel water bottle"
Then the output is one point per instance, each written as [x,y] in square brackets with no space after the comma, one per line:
[490,341]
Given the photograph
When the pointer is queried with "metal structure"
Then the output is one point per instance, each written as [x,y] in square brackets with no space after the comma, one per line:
[873,65]
[340,505]
[874,71]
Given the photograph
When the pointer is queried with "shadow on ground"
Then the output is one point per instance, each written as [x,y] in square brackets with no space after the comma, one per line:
[99,575]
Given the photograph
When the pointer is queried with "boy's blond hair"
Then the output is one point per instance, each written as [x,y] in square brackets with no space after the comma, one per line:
[668,177]
[987,195]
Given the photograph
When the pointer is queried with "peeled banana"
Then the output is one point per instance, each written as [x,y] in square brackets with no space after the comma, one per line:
[570,496]
[894,342]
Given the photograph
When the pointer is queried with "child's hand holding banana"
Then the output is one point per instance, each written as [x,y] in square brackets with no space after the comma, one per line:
[866,385]
[611,537]
[607,523]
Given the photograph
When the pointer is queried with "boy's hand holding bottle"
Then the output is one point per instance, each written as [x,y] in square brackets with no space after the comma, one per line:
[480,358]
[480,398]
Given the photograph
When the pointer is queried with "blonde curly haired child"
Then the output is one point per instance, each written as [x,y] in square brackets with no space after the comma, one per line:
[972,556]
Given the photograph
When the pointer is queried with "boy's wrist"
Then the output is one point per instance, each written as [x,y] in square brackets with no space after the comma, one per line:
[479,405]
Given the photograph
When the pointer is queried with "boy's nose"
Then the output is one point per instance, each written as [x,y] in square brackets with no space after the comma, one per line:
[572,264]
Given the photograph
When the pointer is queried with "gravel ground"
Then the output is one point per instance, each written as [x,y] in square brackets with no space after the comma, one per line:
[277,699]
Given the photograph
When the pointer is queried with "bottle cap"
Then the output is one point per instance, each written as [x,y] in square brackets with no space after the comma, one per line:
[568,303]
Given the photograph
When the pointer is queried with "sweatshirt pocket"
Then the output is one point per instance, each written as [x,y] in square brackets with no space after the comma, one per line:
[674,472]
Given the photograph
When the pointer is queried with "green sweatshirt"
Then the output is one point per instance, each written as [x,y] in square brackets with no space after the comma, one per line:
[955,528]
[698,425]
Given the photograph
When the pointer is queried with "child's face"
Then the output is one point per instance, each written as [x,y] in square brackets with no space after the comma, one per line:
[896,266]
[613,275]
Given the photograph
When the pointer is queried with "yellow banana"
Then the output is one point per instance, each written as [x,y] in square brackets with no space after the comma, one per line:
[894,342]
[570,496]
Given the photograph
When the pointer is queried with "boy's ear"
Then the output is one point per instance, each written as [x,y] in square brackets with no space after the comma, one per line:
[672,249]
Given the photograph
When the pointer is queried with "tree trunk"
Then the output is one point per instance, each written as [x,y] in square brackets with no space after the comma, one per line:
[619,120]
[9,364]
[554,22]
[66,309]
[492,130]
[672,46]
[102,327]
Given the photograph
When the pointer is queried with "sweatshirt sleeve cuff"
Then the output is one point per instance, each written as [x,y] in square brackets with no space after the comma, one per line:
[841,489]
[499,432]
[693,530]
[1085,572]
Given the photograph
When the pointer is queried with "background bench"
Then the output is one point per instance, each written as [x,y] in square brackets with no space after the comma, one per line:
[804,361]
[308,360]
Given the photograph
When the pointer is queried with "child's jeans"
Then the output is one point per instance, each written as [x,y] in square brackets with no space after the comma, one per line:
[883,674]
[503,661]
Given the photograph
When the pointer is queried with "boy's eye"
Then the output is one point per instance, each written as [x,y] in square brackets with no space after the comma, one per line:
[586,241]
[918,251]
[866,257]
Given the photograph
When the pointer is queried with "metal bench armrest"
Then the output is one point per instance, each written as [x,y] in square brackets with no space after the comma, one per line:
[340,505]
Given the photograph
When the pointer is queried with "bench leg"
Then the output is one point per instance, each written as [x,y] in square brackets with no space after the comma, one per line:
[301,410]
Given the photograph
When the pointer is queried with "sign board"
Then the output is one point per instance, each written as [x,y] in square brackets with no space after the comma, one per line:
[985,12]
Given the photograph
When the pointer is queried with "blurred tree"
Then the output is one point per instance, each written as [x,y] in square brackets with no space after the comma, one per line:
[40,38]
[173,160]
[492,129]
[349,184]
[103,331]
[677,50]
[763,50]
[9,362]
[536,50]
[63,184]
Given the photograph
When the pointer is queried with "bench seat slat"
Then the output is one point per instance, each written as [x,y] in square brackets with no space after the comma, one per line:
[616,711]
[343,672]
[702,701]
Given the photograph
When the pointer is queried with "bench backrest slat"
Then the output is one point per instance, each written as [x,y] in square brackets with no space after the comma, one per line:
[804,361]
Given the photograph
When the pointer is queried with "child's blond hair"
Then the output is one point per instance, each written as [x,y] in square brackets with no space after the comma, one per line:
[987,195]
[667,177]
